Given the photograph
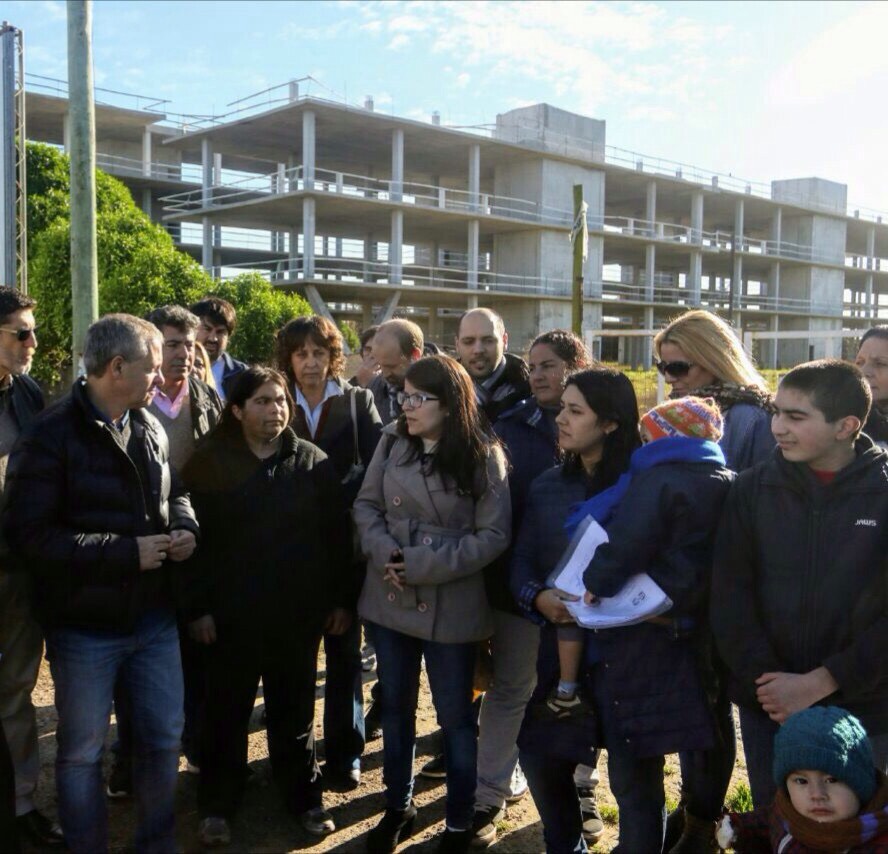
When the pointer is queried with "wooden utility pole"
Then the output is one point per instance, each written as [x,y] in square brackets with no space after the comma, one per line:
[82,122]
[580,238]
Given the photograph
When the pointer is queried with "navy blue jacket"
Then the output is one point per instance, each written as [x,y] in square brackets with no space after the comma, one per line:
[801,579]
[232,368]
[531,448]
[664,526]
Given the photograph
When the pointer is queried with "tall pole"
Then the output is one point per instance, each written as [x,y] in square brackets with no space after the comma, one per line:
[580,238]
[82,122]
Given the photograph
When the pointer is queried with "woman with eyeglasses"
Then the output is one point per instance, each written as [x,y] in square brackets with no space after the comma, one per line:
[699,354]
[433,511]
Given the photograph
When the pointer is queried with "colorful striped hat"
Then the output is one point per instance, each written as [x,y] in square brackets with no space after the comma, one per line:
[693,417]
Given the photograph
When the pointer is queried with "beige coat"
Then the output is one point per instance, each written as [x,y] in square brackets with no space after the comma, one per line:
[447,540]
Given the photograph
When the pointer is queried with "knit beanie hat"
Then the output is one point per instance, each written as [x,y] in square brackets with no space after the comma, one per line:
[693,417]
[827,739]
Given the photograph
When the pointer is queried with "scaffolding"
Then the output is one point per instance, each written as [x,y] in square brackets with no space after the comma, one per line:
[13,160]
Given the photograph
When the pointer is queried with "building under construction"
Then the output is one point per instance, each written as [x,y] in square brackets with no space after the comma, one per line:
[368,214]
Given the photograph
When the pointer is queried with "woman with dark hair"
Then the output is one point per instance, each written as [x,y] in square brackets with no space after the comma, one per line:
[342,421]
[872,359]
[530,439]
[433,512]
[273,568]
[597,433]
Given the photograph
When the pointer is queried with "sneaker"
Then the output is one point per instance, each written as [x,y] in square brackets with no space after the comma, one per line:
[567,707]
[317,821]
[435,768]
[593,825]
[213,830]
[484,826]
[40,830]
[120,780]
[518,786]
[368,659]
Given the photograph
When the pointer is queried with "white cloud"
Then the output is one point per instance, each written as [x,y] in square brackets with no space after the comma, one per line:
[462,80]
[398,42]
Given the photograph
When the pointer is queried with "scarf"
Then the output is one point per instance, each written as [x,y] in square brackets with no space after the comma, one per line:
[869,824]
[728,394]
[677,449]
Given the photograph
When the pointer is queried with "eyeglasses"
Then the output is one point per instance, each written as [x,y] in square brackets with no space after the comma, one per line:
[675,369]
[415,400]
[21,335]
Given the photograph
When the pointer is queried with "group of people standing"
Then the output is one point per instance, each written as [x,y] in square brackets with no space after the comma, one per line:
[178,538]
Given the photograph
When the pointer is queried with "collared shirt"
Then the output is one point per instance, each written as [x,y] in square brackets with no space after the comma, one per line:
[120,424]
[313,416]
[218,369]
[171,407]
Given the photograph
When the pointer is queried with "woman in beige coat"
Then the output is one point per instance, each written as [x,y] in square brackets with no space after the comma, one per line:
[433,511]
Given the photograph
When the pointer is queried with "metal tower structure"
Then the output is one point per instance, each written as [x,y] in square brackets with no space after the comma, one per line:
[13,170]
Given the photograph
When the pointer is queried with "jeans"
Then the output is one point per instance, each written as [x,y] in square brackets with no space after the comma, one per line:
[85,666]
[288,677]
[21,643]
[636,784]
[514,648]
[450,668]
[344,700]
[551,781]
[706,774]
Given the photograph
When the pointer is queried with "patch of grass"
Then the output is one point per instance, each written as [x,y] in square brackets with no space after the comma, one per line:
[739,798]
[671,804]
[504,826]
[609,813]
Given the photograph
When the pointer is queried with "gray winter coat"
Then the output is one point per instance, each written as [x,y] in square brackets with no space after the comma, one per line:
[447,539]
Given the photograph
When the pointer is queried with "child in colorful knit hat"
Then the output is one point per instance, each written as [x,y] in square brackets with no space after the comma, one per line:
[831,797]
[687,418]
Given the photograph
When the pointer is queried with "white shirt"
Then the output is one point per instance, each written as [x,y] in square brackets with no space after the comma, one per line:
[218,368]
[313,416]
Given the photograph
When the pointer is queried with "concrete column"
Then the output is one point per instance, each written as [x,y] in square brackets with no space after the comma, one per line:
[696,218]
[292,174]
[206,254]
[737,272]
[206,171]
[695,267]
[308,238]
[146,152]
[647,354]
[337,247]
[775,343]
[774,284]
[871,308]
[434,331]
[650,267]
[472,261]
[146,201]
[308,149]
[66,132]
[293,254]
[217,169]
[474,176]
[650,209]
[777,231]
[369,257]
[366,315]
[397,182]
[396,246]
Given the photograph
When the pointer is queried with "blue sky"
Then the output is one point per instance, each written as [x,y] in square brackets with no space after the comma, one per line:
[760,90]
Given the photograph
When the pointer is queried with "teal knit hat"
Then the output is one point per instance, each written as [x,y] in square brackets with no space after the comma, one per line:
[827,739]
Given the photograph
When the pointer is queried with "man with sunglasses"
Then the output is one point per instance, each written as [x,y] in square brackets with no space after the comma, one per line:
[21,640]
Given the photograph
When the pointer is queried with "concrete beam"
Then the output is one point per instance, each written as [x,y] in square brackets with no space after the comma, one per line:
[388,309]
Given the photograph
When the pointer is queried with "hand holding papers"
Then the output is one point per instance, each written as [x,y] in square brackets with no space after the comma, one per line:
[639,599]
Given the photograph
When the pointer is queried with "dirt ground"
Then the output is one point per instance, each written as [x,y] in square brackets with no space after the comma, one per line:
[262,825]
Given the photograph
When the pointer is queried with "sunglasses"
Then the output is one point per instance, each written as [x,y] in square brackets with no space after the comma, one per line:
[21,335]
[675,369]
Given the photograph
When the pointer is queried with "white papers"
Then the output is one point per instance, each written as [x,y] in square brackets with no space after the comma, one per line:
[640,598]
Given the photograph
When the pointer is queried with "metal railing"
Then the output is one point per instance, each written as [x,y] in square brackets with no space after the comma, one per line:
[115,164]
[411,193]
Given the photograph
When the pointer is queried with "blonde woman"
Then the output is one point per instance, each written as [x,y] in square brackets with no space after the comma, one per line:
[698,353]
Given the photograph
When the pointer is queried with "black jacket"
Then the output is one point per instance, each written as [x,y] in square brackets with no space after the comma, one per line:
[26,400]
[800,579]
[276,555]
[74,507]
[335,435]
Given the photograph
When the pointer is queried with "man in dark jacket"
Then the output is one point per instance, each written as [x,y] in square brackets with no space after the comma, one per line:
[96,515]
[21,640]
[501,379]
[800,588]
[396,346]
[218,320]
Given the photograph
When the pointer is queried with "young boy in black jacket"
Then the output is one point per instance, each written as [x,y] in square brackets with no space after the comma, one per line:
[798,603]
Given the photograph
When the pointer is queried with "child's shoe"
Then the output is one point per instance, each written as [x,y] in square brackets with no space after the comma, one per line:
[567,705]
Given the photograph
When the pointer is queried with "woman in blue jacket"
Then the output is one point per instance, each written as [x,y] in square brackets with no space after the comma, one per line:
[598,430]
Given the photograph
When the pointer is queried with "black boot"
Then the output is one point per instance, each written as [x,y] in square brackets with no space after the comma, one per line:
[698,837]
[394,827]
[455,841]
[675,823]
